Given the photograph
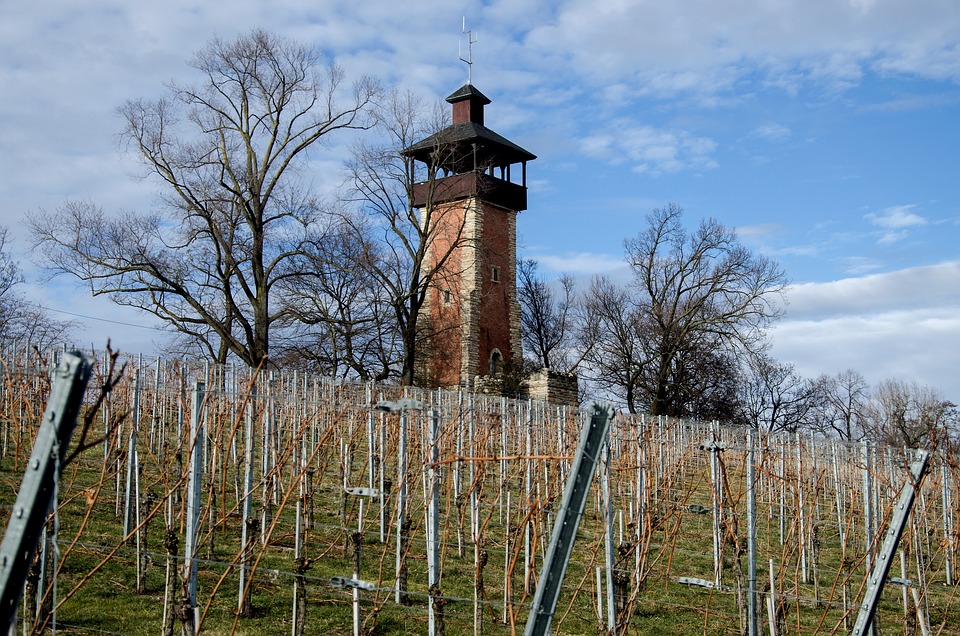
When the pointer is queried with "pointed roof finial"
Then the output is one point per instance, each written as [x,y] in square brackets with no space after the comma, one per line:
[471,39]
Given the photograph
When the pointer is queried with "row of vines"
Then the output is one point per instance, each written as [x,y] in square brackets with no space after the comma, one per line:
[233,501]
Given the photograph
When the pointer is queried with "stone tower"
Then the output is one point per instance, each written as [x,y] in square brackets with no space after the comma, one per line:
[476,184]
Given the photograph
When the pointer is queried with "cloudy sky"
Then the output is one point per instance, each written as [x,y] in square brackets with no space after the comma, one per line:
[825,131]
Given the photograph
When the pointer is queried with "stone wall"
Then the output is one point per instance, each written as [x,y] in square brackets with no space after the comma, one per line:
[553,387]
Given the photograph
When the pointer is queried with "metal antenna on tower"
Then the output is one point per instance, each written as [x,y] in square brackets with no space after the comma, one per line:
[471,38]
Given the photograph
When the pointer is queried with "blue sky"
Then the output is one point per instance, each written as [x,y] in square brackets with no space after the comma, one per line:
[825,131]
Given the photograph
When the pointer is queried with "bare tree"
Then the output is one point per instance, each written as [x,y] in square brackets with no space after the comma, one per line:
[620,341]
[910,414]
[691,293]
[20,319]
[775,398]
[418,243]
[33,323]
[235,221]
[10,277]
[342,321]
[843,411]
[10,274]
[548,318]
[615,337]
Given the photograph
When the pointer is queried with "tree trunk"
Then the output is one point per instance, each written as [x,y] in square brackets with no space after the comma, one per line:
[408,372]
[622,588]
[172,544]
[246,606]
[186,616]
[631,400]
[436,597]
[408,317]
[301,566]
[660,403]
[402,574]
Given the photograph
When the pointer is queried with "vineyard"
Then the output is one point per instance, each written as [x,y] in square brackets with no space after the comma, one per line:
[225,500]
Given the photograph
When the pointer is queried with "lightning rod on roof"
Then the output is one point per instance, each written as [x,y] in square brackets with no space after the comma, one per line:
[471,39]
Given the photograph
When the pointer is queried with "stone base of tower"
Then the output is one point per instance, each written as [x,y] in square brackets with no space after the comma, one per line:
[543,385]
[555,388]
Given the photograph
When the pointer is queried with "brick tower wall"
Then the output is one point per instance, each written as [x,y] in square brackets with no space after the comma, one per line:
[469,313]
[443,312]
[498,288]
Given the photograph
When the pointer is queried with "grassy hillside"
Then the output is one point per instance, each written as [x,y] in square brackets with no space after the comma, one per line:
[500,475]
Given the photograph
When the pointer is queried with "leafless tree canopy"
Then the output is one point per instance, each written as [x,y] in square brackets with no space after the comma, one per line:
[10,277]
[693,295]
[842,411]
[380,184]
[699,287]
[20,319]
[341,318]
[235,221]
[775,398]
[910,414]
[547,318]
[615,337]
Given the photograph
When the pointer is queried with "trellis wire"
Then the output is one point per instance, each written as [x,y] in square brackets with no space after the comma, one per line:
[503,460]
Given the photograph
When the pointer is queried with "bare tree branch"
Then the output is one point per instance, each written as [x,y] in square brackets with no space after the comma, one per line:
[235,223]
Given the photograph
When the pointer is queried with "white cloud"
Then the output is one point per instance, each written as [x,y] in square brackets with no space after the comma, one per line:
[896,221]
[772,132]
[917,344]
[799,250]
[903,324]
[936,59]
[704,46]
[580,263]
[758,232]
[839,70]
[904,290]
[859,265]
[896,218]
[651,150]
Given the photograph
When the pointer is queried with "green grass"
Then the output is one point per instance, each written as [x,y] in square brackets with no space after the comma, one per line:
[680,542]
